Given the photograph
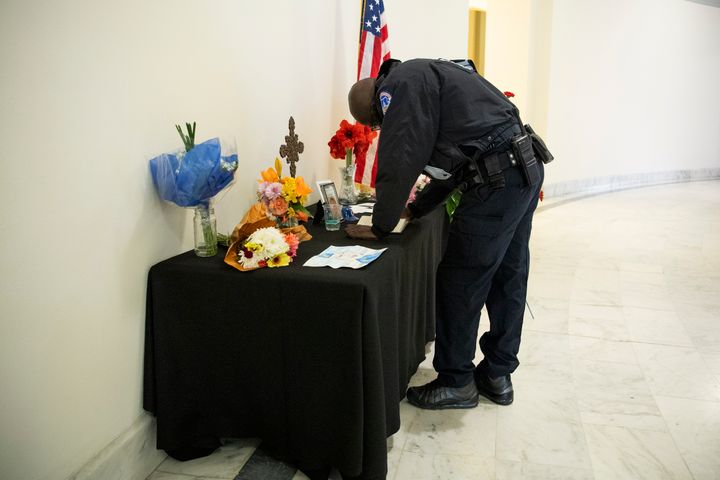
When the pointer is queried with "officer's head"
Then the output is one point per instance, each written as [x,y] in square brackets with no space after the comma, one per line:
[362,103]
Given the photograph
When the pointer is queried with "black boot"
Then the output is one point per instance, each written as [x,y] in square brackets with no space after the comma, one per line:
[498,390]
[434,396]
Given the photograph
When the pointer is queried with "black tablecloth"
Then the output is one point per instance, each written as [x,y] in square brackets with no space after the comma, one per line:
[314,361]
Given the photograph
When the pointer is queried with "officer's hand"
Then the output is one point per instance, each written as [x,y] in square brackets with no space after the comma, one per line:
[360,231]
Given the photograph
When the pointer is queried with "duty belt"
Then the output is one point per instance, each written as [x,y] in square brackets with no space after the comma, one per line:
[494,164]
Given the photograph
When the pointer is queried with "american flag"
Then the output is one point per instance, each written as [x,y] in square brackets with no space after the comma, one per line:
[373,50]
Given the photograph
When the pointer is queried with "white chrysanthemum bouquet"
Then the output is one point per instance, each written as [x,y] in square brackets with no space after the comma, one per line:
[267,247]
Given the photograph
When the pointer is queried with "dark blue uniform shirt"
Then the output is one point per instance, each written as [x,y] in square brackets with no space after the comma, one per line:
[432,110]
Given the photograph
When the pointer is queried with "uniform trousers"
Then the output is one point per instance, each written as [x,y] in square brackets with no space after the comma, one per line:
[486,262]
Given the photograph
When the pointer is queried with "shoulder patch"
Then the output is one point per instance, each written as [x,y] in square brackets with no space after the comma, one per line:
[385,99]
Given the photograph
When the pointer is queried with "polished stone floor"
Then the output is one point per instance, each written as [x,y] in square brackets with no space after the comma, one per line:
[620,358]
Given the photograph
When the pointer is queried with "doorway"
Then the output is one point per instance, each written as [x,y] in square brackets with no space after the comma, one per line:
[476,38]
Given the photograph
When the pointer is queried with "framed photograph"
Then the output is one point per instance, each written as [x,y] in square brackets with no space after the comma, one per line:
[328,192]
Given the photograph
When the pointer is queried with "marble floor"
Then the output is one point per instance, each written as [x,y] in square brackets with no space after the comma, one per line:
[620,358]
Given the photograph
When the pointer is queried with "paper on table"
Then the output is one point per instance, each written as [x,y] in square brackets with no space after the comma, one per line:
[367,222]
[349,257]
[362,208]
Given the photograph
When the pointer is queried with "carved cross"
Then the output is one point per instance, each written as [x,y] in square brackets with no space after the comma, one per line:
[292,147]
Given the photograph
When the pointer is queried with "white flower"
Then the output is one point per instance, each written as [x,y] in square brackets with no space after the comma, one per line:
[248,262]
[272,241]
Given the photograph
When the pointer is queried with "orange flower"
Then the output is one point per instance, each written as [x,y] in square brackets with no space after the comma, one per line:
[269,175]
[301,188]
[272,175]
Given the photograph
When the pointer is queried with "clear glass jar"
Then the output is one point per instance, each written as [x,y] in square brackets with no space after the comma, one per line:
[205,227]
[286,222]
[348,194]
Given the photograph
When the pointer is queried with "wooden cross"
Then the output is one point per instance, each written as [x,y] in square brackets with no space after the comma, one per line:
[292,147]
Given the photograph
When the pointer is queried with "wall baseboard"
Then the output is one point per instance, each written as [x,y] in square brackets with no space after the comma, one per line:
[131,456]
[561,192]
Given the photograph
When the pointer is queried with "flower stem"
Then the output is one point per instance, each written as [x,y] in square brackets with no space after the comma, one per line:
[348,157]
[189,139]
[207,228]
[208,233]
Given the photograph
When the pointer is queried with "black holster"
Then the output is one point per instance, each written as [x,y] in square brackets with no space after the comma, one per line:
[522,146]
[541,150]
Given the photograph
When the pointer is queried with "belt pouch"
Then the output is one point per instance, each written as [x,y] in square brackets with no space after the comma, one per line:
[541,150]
[522,146]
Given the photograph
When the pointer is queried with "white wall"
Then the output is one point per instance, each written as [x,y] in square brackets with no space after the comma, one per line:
[427,29]
[618,87]
[634,87]
[517,57]
[89,91]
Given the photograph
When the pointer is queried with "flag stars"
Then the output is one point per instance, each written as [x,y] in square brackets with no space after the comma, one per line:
[372,23]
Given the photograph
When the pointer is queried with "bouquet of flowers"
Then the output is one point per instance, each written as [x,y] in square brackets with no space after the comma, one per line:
[350,139]
[256,242]
[283,197]
[267,247]
[191,178]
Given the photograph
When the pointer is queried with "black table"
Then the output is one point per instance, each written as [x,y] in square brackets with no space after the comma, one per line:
[313,361]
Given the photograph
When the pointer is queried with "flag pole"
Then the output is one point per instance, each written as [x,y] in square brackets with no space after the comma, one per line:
[362,10]
[360,32]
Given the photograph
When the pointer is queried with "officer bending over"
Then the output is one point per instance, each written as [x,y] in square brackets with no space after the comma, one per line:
[444,118]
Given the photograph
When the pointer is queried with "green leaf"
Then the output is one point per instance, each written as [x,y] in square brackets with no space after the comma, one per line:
[299,207]
[452,203]
[189,139]
[223,239]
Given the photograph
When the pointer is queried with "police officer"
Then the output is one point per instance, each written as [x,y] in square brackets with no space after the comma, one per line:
[444,118]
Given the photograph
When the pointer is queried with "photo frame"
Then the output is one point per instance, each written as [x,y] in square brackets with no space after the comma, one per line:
[328,192]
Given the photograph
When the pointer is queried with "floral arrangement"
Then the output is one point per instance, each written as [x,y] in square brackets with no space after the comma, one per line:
[256,242]
[192,177]
[267,247]
[349,139]
[283,197]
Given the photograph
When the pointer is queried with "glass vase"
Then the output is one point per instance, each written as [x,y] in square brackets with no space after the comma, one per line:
[348,194]
[288,222]
[205,231]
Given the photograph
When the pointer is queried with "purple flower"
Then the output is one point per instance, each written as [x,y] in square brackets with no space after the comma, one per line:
[272,191]
[261,188]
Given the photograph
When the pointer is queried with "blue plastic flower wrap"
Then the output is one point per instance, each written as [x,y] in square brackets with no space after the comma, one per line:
[192,178]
